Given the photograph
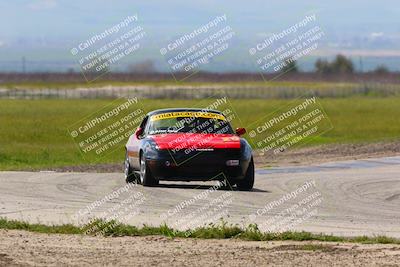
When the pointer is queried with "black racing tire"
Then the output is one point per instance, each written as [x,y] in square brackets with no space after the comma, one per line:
[130,175]
[247,183]
[146,178]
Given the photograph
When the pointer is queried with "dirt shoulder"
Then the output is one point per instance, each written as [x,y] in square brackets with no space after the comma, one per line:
[331,152]
[299,156]
[20,248]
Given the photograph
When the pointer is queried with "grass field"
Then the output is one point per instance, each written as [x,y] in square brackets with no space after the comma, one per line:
[33,133]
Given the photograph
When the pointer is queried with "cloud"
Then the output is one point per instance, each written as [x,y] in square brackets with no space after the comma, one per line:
[263,34]
[376,34]
[42,4]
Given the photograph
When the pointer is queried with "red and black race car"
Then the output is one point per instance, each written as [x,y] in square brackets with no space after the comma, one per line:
[188,144]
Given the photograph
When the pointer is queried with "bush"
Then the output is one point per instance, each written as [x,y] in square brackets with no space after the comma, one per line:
[290,66]
[341,64]
[381,69]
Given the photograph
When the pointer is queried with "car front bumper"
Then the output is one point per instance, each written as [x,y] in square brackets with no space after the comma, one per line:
[201,166]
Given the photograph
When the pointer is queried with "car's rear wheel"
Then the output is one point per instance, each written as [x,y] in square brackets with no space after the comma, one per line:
[146,179]
[247,183]
[130,176]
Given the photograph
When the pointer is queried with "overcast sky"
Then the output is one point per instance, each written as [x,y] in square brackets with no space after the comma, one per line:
[66,18]
[54,26]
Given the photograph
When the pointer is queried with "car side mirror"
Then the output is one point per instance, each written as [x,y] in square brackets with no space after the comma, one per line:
[139,132]
[240,131]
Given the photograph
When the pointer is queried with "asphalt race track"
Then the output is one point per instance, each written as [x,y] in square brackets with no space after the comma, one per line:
[345,198]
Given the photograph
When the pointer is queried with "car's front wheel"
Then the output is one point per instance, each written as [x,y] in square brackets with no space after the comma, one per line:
[146,179]
[247,183]
[130,176]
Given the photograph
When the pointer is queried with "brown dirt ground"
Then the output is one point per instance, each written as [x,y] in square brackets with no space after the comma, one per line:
[20,248]
[331,152]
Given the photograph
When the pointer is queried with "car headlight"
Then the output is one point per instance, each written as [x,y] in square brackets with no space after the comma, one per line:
[152,146]
[232,162]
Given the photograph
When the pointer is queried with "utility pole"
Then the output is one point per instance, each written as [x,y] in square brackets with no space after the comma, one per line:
[23,64]
[366,89]
[361,65]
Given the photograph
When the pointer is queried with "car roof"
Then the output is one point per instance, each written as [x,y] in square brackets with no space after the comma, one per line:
[165,110]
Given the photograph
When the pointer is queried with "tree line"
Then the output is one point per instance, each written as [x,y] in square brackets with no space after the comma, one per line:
[339,65]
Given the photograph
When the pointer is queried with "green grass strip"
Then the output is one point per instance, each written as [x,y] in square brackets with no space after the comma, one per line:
[212,231]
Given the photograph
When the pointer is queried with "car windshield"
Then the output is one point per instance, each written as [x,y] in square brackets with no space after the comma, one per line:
[189,122]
